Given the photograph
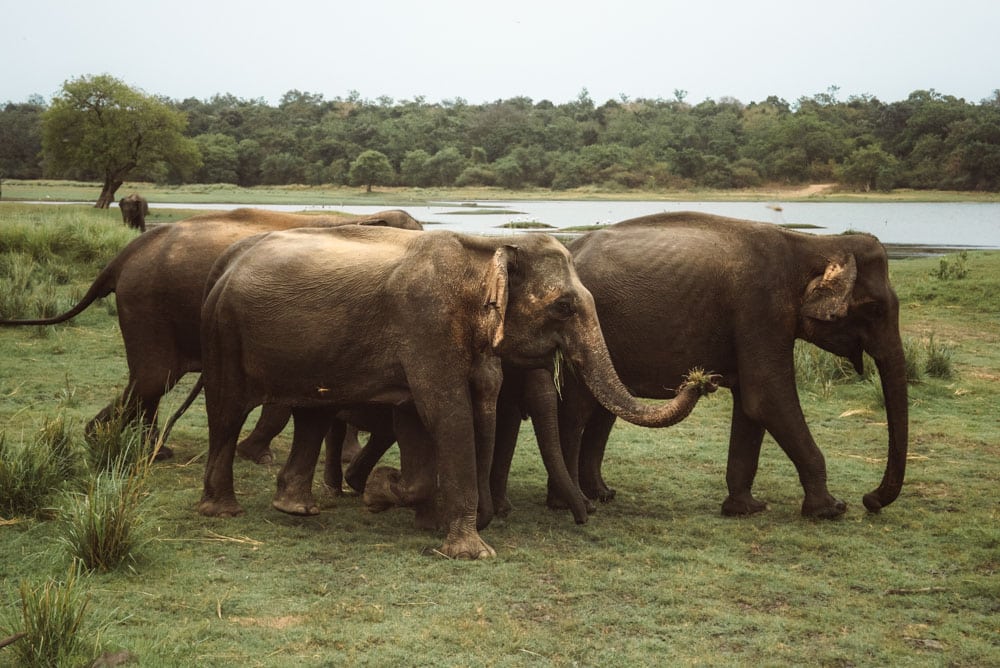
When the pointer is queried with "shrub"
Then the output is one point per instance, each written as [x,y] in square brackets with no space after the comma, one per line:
[117,440]
[952,268]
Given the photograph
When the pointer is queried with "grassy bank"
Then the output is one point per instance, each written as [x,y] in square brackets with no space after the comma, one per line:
[74,191]
[656,577]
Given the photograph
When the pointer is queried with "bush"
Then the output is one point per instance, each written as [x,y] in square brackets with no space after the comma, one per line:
[938,363]
[952,268]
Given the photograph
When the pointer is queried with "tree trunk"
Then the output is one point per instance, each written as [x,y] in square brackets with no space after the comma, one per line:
[111,186]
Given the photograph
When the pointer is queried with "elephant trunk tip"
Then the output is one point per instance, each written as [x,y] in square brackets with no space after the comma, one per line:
[876,500]
[704,382]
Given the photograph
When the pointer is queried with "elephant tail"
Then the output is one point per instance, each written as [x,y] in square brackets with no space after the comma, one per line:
[188,400]
[102,286]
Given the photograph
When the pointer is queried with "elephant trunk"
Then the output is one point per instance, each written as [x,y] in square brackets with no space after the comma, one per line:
[891,365]
[592,360]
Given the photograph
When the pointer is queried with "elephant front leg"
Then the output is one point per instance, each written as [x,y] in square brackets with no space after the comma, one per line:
[294,495]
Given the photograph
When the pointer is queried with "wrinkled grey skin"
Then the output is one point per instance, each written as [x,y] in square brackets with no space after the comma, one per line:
[159,282]
[134,210]
[675,291]
[419,321]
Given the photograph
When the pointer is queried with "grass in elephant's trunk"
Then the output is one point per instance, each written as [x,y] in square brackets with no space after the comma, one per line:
[656,576]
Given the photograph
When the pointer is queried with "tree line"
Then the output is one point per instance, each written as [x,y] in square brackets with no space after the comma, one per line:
[927,141]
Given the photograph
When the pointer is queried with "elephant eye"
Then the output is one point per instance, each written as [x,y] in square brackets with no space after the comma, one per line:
[562,308]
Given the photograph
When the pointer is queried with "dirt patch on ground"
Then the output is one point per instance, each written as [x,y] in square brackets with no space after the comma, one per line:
[267,622]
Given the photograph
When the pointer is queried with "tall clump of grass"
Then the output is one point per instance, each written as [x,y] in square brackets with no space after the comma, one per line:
[938,362]
[31,474]
[16,273]
[48,629]
[103,526]
[117,441]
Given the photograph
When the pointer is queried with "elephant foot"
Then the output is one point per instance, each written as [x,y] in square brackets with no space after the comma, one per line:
[827,508]
[600,492]
[742,506]
[220,507]
[463,542]
[292,506]
[256,454]
[378,494]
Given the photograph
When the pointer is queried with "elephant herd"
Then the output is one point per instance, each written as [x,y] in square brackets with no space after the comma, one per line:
[443,342]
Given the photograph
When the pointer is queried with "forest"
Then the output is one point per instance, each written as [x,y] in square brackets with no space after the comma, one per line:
[928,141]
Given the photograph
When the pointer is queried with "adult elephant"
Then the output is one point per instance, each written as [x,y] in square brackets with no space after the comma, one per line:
[159,282]
[420,321]
[681,290]
[134,210]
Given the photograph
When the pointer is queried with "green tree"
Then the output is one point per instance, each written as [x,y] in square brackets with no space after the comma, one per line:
[102,128]
[870,167]
[219,158]
[21,139]
[369,168]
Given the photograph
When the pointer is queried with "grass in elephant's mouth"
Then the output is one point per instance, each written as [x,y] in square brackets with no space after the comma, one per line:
[656,576]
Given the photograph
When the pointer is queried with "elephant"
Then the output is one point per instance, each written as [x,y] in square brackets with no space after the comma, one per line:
[420,321]
[134,210]
[159,280]
[681,290]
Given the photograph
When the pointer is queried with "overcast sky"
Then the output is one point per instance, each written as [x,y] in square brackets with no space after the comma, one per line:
[482,51]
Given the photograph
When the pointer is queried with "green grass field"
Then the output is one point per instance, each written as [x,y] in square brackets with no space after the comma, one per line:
[657,577]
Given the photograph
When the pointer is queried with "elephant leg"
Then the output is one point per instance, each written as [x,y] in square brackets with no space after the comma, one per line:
[575,409]
[357,472]
[257,446]
[745,438]
[225,419]
[350,446]
[592,446]
[333,472]
[777,407]
[138,403]
[294,495]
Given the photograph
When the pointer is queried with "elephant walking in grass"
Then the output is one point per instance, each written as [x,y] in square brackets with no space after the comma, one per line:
[159,282]
[418,321]
[134,210]
[681,290]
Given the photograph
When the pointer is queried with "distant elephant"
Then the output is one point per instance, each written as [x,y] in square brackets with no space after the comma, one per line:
[419,321]
[682,290]
[159,281]
[134,210]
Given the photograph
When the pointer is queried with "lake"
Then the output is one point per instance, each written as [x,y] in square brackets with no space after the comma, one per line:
[935,227]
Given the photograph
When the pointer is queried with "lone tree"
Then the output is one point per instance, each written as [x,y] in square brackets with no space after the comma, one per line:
[369,168]
[97,126]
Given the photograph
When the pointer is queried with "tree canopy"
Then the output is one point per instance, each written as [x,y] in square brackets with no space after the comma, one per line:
[99,128]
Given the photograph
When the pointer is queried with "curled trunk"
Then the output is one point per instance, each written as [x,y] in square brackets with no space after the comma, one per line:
[593,362]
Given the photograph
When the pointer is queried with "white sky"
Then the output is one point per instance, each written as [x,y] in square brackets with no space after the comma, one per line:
[541,49]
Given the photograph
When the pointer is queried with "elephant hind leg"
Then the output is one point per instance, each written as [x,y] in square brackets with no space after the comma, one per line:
[745,438]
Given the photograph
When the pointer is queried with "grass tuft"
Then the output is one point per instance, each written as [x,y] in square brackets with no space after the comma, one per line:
[50,620]
[103,527]
[31,474]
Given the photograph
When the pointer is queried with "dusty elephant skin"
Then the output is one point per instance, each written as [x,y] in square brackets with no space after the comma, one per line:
[159,281]
[420,321]
[675,291]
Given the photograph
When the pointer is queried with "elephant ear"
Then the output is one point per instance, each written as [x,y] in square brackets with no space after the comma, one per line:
[495,293]
[828,296]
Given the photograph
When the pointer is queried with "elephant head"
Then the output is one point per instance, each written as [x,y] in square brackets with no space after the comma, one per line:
[849,308]
[537,308]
